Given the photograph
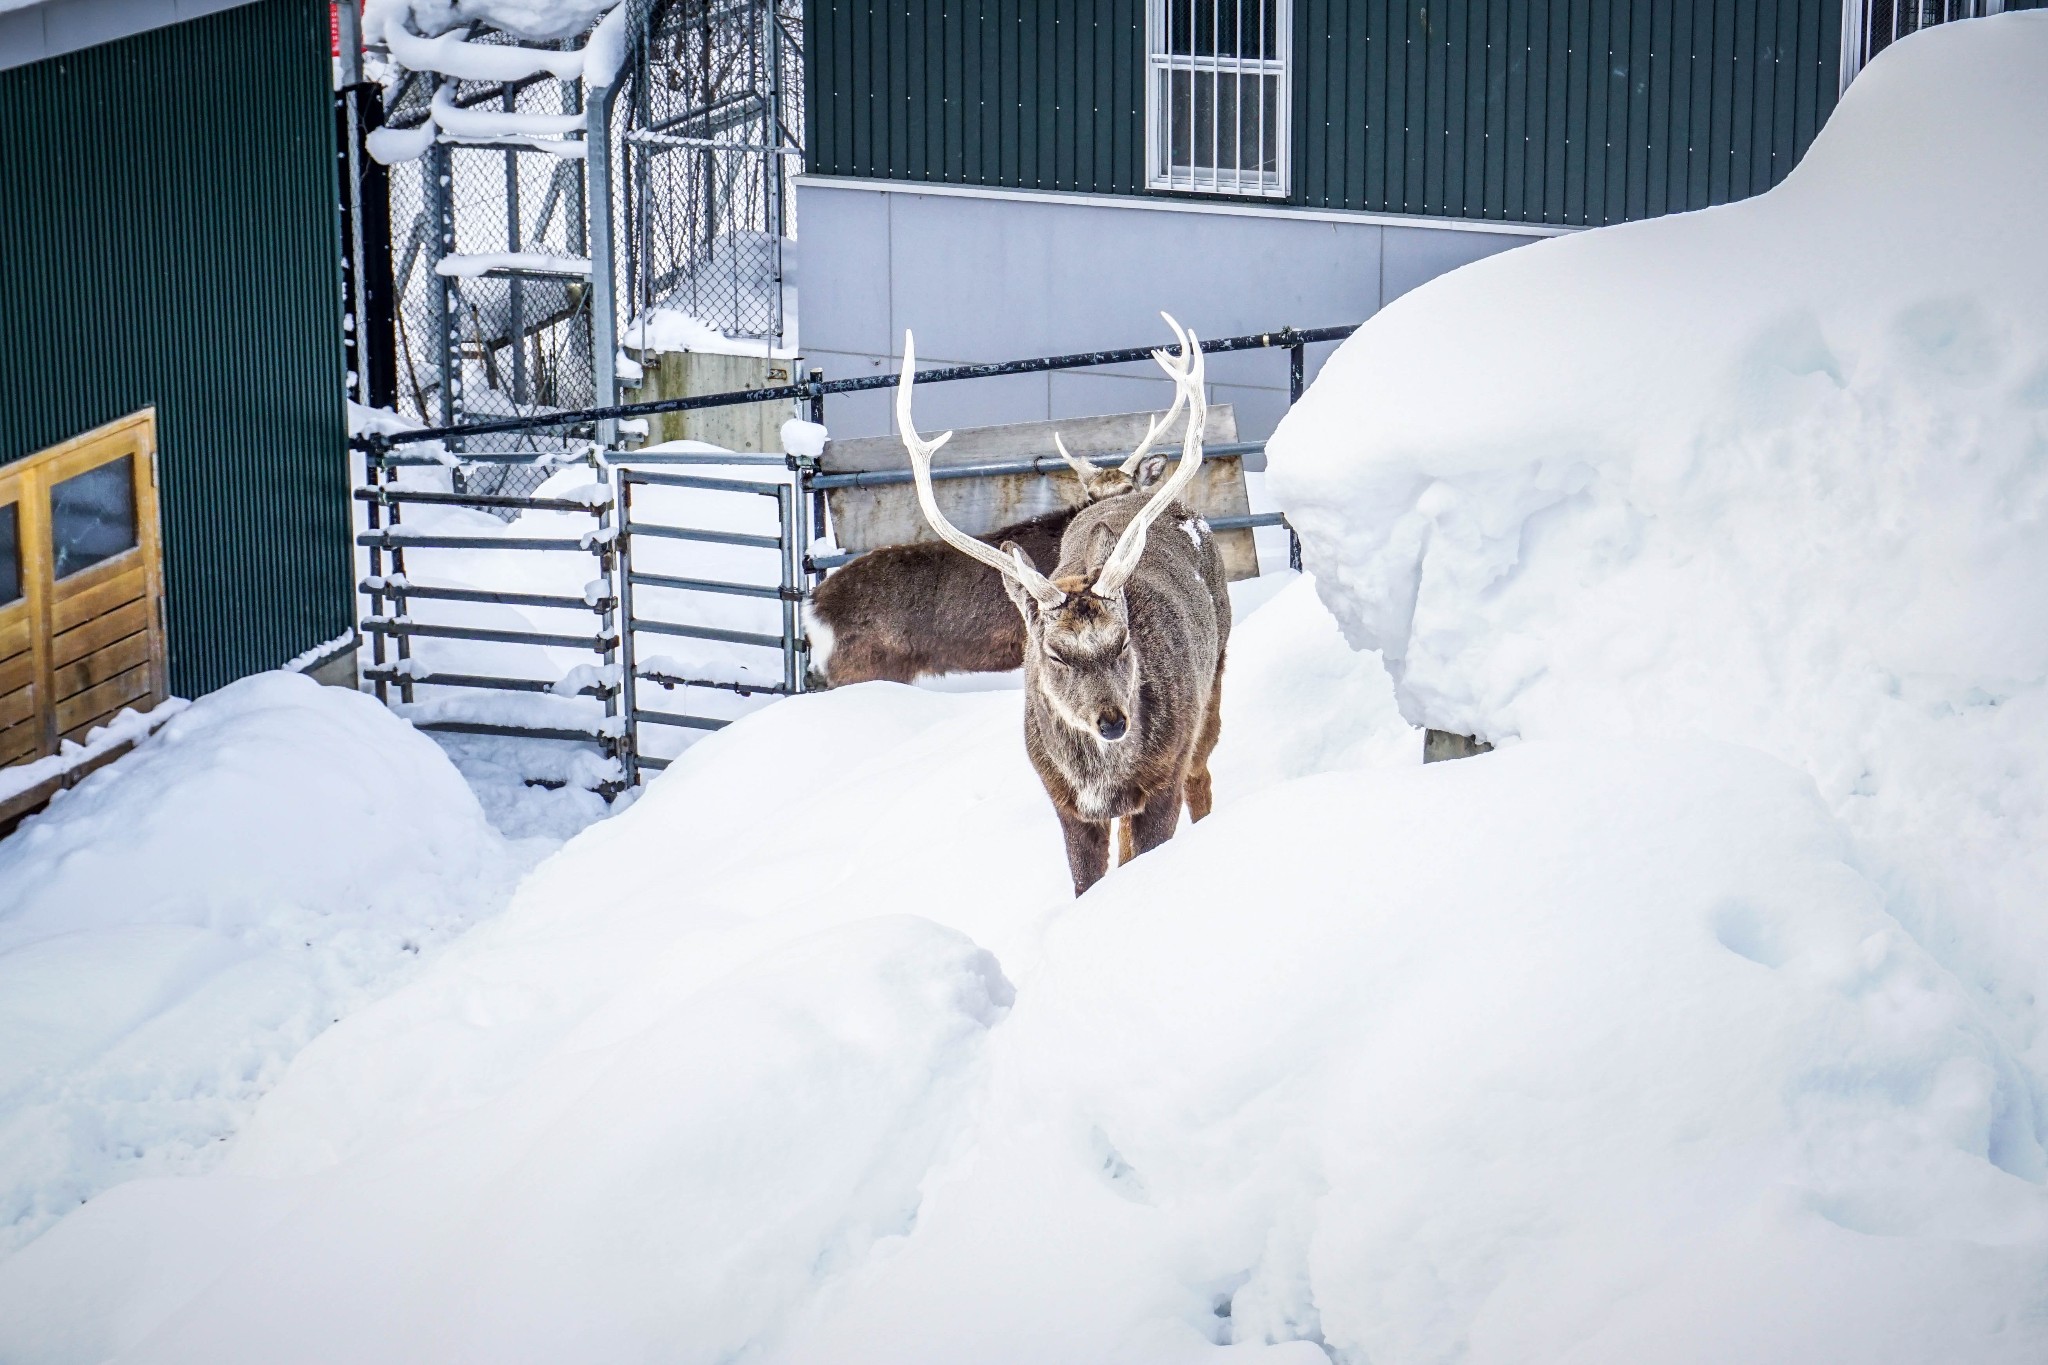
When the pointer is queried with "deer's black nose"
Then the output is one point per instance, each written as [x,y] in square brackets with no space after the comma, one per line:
[1112,725]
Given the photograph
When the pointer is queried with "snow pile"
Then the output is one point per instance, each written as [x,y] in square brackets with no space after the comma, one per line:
[1559,1051]
[177,927]
[1566,1050]
[534,20]
[1775,473]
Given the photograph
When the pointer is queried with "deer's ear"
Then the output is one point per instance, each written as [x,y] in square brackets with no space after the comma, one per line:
[1150,470]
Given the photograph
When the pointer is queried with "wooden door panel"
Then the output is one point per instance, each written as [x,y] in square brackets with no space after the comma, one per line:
[85,636]
[20,743]
[77,602]
[17,706]
[80,641]
[102,664]
[123,689]
[17,673]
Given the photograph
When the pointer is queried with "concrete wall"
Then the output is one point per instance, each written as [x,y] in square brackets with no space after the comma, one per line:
[983,275]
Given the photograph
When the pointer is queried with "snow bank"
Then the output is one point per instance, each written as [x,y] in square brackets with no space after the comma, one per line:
[177,927]
[1775,473]
[1568,1050]
[709,986]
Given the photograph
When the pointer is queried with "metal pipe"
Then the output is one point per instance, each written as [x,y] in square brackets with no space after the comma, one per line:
[659,580]
[597,197]
[705,482]
[505,599]
[596,644]
[622,498]
[1041,464]
[398,543]
[615,745]
[479,727]
[862,384]
[712,633]
[792,571]
[483,682]
[687,722]
[392,497]
[670,681]
[709,537]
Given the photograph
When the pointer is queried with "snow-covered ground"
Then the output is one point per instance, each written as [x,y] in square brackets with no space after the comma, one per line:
[1698,1023]
[177,927]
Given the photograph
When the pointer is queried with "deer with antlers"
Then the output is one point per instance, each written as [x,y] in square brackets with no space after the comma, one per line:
[1123,645]
[910,611]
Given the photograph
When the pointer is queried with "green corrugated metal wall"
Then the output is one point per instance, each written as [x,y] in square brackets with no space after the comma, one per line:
[1546,111]
[168,236]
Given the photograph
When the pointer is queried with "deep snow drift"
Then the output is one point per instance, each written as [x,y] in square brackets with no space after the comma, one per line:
[1564,1050]
[175,929]
[1775,473]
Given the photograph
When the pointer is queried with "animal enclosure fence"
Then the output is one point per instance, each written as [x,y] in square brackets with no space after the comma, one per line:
[660,632]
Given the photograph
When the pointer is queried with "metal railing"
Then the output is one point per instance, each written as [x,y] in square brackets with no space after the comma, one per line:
[619,682]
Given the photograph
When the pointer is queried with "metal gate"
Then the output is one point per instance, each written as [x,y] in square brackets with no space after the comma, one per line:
[713,565]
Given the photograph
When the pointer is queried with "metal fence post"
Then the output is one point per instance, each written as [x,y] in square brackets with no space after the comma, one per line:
[792,588]
[373,516]
[604,318]
[629,741]
[1297,367]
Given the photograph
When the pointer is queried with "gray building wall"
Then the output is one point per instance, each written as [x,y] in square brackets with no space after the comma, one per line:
[982,275]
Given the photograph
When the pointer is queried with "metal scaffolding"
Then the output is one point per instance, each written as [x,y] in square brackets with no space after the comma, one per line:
[539,219]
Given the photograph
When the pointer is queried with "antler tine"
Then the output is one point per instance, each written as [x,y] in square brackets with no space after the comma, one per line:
[1033,582]
[1080,466]
[1123,560]
[1159,426]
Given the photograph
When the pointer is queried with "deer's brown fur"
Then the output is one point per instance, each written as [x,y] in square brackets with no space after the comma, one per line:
[1175,614]
[1123,645]
[905,612]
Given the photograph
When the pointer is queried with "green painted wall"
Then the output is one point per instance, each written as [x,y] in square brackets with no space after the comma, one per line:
[168,236]
[1545,111]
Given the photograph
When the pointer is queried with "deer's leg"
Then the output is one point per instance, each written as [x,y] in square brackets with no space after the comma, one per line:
[1087,849]
[1125,848]
[1201,791]
[1154,822]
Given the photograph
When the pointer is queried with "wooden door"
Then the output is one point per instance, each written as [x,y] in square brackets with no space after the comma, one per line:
[83,636]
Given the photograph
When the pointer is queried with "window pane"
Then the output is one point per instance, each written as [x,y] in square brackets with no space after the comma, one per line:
[92,516]
[1268,156]
[10,554]
[1223,28]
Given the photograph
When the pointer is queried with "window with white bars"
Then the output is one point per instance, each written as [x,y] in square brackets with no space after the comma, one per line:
[1216,95]
[1871,26]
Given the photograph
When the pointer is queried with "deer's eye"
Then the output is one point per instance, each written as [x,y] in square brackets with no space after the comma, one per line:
[1052,657]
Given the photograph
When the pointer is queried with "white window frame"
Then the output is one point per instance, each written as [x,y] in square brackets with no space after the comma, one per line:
[1218,177]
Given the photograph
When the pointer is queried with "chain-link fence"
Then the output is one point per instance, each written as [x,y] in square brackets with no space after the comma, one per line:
[712,141]
[492,269]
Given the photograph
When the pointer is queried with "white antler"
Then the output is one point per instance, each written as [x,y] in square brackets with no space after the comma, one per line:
[1154,429]
[1083,468]
[1033,582]
[1187,376]
[1158,426]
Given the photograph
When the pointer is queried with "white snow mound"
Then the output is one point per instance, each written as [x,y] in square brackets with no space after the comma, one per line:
[1566,1051]
[177,927]
[1775,473]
